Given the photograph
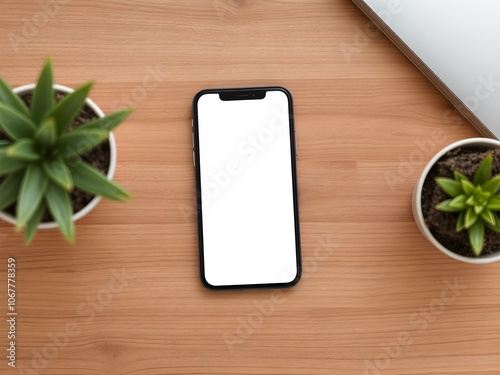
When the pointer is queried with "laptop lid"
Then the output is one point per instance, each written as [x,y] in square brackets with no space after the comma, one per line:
[456,44]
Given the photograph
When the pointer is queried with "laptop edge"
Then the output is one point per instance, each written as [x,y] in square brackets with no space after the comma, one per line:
[426,71]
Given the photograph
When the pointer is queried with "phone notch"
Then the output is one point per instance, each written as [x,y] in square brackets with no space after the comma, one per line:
[242,95]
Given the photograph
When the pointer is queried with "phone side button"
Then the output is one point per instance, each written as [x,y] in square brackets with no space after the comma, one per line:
[194,164]
[295,141]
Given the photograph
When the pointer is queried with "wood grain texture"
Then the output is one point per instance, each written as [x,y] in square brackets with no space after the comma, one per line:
[374,297]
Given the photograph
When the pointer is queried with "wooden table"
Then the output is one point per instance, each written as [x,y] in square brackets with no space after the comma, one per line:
[375,298]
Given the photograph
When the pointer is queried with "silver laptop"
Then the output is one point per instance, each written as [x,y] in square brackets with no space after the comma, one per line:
[456,44]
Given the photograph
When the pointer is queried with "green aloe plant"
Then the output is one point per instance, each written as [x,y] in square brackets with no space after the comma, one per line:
[476,202]
[40,163]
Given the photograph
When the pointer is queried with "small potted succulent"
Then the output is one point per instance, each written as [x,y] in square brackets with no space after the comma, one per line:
[456,202]
[57,155]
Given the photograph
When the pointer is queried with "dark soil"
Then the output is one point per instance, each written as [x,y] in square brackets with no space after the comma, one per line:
[442,224]
[99,158]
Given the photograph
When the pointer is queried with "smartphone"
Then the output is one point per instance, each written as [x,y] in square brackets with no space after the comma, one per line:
[244,155]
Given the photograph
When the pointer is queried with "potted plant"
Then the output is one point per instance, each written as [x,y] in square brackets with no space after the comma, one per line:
[57,155]
[456,202]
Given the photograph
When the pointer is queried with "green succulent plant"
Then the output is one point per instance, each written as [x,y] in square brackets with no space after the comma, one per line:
[40,162]
[476,202]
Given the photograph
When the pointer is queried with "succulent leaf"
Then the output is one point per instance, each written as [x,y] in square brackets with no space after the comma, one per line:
[46,134]
[494,203]
[43,96]
[492,185]
[459,176]
[458,202]
[59,205]
[496,227]
[483,172]
[107,123]
[32,224]
[486,194]
[66,110]
[79,141]
[23,149]
[33,188]
[467,187]
[445,206]
[9,165]
[476,237]
[470,217]
[9,189]
[449,186]
[460,224]
[15,124]
[8,97]
[471,201]
[488,217]
[58,172]
[478,209]
[89,179]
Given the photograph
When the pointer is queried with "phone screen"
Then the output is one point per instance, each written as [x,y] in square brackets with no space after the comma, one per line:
[248,215]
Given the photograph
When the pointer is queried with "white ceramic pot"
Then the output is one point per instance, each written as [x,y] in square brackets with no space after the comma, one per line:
[22,90]
[417,197]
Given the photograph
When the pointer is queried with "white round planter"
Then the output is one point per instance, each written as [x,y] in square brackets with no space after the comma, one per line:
[22,90]
[417,198]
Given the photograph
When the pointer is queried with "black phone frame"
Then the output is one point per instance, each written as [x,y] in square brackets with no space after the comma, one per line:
[245,93]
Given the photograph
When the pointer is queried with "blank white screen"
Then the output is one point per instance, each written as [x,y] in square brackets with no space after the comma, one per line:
[246,190]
